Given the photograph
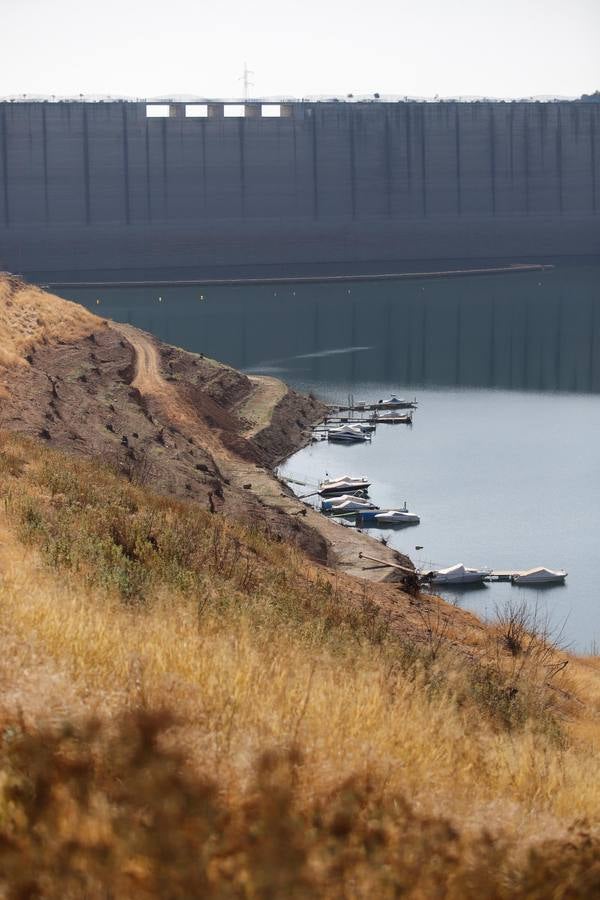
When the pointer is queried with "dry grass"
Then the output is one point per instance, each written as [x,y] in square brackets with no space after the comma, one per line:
[112,601]
[95,812]
[29,316]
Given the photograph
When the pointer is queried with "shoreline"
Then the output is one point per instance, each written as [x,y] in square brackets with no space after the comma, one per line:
[345,544]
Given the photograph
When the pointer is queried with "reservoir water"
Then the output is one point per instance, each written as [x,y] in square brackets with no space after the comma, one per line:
[502,462]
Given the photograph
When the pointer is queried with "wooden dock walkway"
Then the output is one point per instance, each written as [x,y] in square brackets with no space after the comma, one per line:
[505,574]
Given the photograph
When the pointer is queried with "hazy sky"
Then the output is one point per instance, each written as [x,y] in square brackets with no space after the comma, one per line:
[148,48]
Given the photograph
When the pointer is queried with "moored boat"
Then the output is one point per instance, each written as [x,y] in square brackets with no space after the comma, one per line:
[350,501]
[348,434]
[350,507]
[539,575]
[397,403]
[387,517]
[344,484]
[459,574]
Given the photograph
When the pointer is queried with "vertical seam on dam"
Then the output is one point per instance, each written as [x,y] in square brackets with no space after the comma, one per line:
[165,170]
[423,163]
[492,139]
[241,136]
[593,155]
[86,168]
[458,162]
[295,160]
[4,145]
[408,132]
[203,145]
[388,164]
[315,166]
[45,163]
[526,162]
[148,175]
[559,165]
[352,166]
[126,167]
[511,142]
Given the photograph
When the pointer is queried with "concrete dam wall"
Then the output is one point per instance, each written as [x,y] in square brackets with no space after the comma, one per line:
[321,187]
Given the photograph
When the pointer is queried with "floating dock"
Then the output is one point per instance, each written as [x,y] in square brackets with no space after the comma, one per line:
[375,407]
[504,574]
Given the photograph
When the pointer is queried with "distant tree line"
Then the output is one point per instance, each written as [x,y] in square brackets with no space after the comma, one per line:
[591,98]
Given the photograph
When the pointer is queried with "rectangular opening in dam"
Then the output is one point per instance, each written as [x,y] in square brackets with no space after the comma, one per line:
[157,111]
[196,110]
[234,111]
[270,110]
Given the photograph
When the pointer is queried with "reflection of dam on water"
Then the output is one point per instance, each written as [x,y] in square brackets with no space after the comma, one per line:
[539,331]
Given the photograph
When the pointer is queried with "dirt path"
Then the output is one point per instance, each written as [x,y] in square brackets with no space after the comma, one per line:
[345,543]
[148,378]
[151,383]
[257,409]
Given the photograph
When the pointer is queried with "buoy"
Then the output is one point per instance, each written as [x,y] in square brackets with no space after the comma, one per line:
[97,303]
[160,299]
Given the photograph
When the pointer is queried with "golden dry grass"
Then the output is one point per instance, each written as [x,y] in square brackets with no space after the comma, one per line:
[29,316]
[248,668]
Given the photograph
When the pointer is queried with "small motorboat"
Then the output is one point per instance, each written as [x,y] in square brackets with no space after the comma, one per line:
[540,575]
[348,501]
[345,484]
[397,403]
[386,517]
[348,434]
[349,507]
[459,574]
[392,419]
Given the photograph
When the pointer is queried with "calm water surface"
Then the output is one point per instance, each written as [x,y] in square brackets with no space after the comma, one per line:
[502,461]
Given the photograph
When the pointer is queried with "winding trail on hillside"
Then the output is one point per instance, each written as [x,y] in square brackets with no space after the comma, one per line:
[345,543]
[258,407]
[150,382]
[148,378]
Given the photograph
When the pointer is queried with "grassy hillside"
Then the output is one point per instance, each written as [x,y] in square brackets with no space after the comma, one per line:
[191,708]
[35,317]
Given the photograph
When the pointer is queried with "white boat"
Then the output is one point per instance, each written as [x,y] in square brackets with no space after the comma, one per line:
[372,518]
[397,403]
[459,574]
[396,517]
[348,502]
[348,434]
[540,575]
[350,507]
[344,484]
